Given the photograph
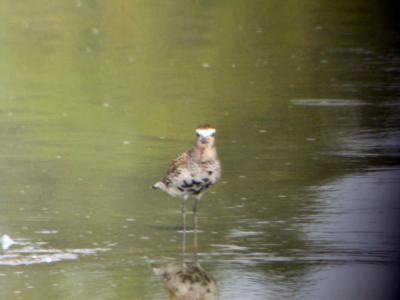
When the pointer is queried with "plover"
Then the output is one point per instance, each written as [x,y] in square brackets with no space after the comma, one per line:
[193,172]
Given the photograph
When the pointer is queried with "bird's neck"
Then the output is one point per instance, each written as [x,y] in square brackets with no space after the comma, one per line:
[204,153]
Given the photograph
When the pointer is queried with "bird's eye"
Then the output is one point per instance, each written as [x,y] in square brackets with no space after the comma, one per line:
[213,135]
[198,135]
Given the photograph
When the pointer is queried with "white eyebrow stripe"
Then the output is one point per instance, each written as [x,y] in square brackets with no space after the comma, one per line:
[206,132]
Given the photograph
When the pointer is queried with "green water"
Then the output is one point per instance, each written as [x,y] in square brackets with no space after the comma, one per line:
[97,97]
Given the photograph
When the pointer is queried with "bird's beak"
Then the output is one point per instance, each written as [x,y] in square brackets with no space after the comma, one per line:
[203,140]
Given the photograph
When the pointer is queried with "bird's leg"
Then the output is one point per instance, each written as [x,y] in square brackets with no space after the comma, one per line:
[195,203]
[183,212]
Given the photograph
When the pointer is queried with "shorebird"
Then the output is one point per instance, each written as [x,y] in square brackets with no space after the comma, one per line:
[193,172]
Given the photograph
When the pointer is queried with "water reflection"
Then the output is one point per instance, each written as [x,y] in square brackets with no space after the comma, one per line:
[350,224]
[187,280]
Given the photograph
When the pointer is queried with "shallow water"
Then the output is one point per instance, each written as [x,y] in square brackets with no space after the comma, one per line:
[97,98]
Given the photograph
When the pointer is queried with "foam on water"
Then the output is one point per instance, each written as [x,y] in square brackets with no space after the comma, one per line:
[30,253]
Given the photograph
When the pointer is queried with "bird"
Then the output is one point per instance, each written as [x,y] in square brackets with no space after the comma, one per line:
[193,172]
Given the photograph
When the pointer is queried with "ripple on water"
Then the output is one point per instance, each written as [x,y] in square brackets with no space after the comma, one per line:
[230,247]
[329,102]
[236,233]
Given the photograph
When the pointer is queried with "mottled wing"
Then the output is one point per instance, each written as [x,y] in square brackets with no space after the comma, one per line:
[176,165]
[175,170]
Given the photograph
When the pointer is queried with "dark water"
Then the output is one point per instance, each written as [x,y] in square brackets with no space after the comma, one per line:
[97,97]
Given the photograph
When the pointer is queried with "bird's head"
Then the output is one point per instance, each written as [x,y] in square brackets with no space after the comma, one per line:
[205,136]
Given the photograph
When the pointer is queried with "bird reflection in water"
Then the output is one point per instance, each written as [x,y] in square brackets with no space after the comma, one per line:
[187,280]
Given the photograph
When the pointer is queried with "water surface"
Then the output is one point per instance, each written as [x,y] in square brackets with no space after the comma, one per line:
[97,98]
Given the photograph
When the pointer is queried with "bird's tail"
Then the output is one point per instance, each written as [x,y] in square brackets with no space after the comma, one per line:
[159,185]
